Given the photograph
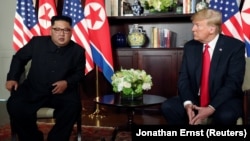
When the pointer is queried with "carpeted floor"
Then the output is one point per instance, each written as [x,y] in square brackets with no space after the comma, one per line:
[89,133]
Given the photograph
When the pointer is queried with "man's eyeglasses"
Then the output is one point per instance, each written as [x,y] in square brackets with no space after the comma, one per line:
[59,30]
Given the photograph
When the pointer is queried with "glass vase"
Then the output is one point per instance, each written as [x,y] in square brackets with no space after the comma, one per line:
[131,99]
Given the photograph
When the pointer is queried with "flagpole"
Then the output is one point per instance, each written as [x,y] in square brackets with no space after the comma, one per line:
[97,110]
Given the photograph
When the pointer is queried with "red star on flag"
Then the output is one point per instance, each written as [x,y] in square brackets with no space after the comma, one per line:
[94,16]
[47,9]
[45,16]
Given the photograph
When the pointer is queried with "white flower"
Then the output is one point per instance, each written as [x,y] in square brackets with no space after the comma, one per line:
[131,81]
[158,5]
[146,86]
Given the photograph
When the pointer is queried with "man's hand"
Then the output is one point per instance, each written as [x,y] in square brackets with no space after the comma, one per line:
[190,111]
[11,85]
[203,114]
[59,87]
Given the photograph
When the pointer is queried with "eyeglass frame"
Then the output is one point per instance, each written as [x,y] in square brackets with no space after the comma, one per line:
[59,30]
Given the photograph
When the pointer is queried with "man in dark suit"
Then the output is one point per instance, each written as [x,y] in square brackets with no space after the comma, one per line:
[56,69]
[226,74]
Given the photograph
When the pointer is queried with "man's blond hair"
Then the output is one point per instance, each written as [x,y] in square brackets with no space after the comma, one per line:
[213,17]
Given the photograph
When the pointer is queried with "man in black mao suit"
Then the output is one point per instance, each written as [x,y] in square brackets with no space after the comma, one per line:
[225,77]
[56,69]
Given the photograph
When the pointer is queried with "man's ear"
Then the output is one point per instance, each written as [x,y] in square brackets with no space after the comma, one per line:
[212,29]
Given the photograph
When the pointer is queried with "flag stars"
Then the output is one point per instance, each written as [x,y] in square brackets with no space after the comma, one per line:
[79,17]
[76,9]
[225,6]
[66,13]
[67,2]
[27,12]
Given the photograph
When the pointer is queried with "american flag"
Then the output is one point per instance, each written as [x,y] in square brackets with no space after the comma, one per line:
[80,35]
[99,36]
[245,14]
[47,9]
[25,23]
[231,18]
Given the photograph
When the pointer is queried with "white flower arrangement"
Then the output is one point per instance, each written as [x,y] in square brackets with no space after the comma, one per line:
[158,5]
[131,82]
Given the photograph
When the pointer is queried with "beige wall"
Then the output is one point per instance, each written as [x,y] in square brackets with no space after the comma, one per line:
[7,12]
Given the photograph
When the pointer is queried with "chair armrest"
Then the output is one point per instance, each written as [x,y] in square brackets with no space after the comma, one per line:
[246,107]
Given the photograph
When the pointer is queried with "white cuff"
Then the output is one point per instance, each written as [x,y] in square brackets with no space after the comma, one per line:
[211,107]
[187,102]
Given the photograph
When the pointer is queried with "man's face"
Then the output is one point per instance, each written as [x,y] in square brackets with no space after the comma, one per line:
[201,31]
[61,33]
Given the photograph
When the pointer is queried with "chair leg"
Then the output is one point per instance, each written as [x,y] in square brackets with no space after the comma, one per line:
[13,132]
[79,128]
[114,134]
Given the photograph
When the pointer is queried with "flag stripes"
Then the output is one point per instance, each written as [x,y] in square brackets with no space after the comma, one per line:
[99,36]
[80,35]
[233,28]
[102,62]
[25,23]
[231,18]
[245,14]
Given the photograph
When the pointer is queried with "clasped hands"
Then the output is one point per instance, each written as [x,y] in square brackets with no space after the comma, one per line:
[198,115]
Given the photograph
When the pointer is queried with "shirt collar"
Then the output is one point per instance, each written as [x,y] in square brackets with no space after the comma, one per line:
[213,42]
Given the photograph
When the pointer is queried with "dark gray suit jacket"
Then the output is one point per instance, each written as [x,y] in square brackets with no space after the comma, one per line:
[226,71]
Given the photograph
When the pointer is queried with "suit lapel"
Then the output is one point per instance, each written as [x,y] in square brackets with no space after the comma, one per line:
[198,62]
[216,57]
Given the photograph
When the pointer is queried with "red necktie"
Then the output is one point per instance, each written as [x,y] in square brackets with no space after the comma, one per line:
[204,92]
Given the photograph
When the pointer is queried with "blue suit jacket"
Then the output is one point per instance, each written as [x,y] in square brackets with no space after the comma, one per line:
[226,71]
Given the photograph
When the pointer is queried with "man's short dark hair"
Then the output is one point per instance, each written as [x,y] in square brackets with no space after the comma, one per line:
[61,18]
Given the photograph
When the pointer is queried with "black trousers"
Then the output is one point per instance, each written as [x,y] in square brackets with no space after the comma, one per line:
[227,114]
[22,112]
